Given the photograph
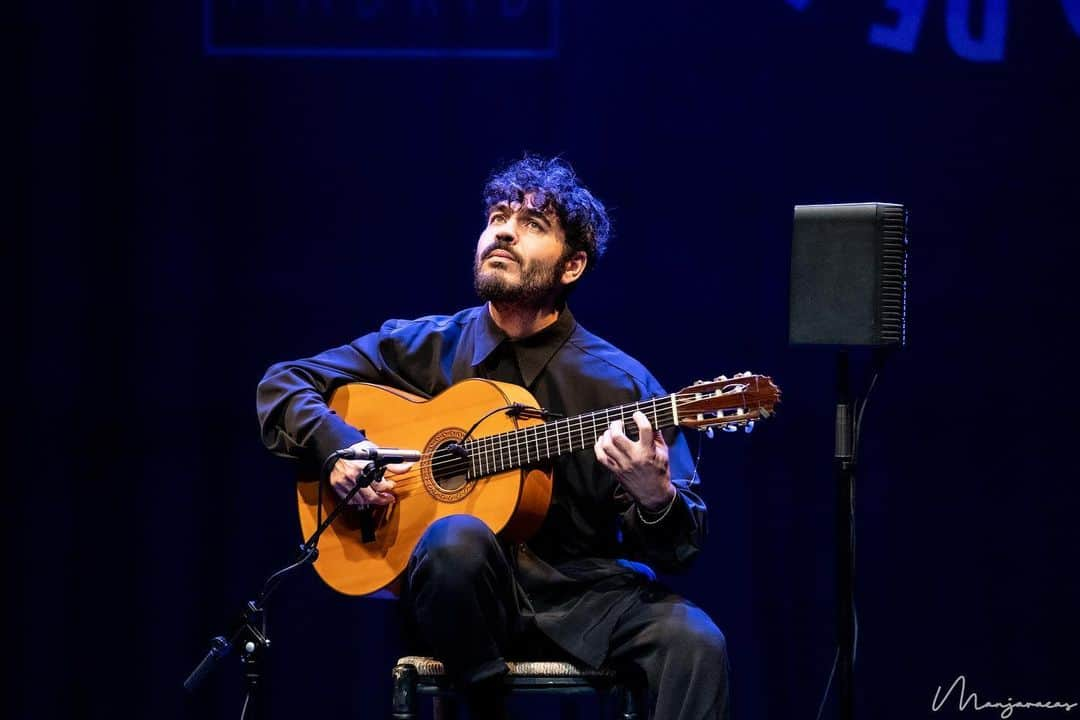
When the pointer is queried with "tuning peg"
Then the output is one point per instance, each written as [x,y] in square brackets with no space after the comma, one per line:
[749,426]
[720,378]
[729,428]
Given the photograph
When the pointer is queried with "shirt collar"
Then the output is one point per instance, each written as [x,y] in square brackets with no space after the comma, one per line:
[533,352]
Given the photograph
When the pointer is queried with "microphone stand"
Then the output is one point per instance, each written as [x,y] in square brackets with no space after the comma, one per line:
[251,626]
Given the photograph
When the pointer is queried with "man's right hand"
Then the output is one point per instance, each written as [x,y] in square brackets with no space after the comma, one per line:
[346,472]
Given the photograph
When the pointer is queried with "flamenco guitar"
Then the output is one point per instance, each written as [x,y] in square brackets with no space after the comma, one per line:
[499,473]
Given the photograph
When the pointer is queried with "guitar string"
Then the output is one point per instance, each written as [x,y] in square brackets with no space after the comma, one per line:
[496,452]
[567,428]
[495,449]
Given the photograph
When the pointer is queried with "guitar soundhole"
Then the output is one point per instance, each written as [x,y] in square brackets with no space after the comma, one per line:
[446,477]
[449,471]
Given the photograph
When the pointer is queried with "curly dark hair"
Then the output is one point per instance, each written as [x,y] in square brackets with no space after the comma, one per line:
[550,184]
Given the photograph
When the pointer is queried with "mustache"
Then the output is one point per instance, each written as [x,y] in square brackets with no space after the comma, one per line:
[499,246]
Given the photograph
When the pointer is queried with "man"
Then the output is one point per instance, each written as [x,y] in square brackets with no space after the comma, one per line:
[576,588]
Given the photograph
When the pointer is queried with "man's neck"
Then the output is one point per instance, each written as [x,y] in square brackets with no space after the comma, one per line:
[519,321]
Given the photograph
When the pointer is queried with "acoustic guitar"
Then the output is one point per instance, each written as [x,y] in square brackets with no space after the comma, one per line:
[485,452]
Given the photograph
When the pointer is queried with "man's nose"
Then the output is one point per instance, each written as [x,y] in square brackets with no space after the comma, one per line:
[507,233]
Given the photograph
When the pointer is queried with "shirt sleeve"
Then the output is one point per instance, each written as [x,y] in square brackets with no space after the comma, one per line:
[671,543]
[291,399]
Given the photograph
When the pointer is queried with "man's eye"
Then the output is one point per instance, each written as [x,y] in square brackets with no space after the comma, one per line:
[535,225]
[496,218]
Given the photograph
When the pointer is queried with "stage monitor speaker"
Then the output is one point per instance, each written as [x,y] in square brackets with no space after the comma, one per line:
[849,275]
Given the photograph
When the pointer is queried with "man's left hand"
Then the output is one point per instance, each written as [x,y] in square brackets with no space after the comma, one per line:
[642,466]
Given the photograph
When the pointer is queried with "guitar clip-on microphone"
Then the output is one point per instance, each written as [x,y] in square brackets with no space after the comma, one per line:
[381,455]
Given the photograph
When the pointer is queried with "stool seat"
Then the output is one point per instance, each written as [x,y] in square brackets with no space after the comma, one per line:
[419,675]
[430,667]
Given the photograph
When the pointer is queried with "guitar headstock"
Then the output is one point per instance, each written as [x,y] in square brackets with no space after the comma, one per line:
[727,402]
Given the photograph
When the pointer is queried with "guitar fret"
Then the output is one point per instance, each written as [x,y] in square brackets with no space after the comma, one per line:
[517,448]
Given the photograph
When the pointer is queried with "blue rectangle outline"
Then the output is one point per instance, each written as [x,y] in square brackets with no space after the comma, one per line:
[388,53]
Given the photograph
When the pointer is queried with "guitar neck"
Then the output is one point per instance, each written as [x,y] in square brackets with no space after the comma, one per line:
[517,448]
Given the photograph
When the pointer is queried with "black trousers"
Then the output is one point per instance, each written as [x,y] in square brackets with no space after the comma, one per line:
[460,605]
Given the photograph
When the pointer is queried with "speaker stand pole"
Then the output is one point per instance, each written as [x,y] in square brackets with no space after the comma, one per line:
[845,551]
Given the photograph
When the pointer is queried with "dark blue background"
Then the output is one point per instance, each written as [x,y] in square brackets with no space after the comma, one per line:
[194,217]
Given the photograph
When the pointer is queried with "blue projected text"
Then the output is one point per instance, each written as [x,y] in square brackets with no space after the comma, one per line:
[975,29]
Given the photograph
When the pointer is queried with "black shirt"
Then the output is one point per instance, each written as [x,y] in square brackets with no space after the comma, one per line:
[575,572]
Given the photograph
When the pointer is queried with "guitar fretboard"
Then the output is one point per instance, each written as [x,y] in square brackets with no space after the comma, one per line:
[517,448]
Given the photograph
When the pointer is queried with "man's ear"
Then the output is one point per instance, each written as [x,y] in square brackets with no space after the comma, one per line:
[574,267]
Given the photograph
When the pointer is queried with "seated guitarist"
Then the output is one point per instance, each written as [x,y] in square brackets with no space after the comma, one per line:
[574,589]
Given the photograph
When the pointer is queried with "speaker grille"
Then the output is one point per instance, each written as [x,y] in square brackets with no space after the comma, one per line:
[892,295]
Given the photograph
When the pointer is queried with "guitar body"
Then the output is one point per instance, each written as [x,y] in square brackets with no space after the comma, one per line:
[500,474]
[512,503]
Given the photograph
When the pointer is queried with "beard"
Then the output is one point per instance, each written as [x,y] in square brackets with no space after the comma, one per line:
[535,284]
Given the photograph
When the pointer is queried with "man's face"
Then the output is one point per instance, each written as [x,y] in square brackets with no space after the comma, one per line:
[521,255]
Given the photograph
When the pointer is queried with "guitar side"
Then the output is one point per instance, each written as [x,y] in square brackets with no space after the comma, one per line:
[513,503]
